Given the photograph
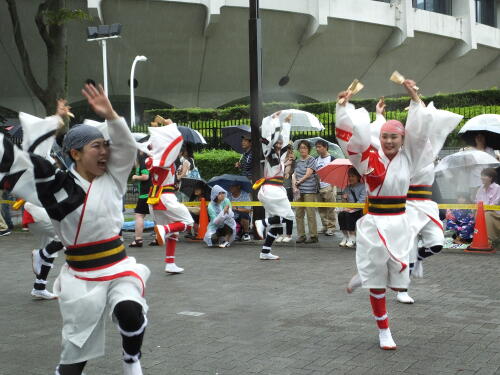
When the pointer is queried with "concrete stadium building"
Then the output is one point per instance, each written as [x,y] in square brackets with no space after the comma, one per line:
[198,49]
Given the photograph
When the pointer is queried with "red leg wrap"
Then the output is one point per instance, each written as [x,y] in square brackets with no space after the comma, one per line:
[377,300]
[170,250]
[175,227]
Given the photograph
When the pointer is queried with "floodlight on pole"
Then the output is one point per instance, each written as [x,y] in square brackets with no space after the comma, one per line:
[101,34]
[132,100]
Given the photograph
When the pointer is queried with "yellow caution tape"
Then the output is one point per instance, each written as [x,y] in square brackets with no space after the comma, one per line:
[7,202]
[343,205]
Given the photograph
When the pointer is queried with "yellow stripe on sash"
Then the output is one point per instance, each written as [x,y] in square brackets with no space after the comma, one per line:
[402,205]
[424,192]
[103,254]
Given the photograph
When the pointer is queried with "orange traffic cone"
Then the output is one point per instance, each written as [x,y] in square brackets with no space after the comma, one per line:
[480,242]
[203,224]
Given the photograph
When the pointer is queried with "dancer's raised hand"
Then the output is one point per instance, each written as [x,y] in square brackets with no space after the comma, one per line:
[380,107]
[343,97]
[411,88]
[99,102]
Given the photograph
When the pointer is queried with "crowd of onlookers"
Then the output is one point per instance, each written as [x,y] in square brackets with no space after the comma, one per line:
[228,222]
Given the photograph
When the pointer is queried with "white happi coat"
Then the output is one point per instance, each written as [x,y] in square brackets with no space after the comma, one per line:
[274,198]
[384,240]
[81,212]
[166,143]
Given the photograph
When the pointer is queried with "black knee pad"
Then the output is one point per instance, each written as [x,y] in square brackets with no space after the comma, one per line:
[129,315]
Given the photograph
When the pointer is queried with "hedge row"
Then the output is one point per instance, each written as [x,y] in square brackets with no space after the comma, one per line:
[212,163]
[470,98]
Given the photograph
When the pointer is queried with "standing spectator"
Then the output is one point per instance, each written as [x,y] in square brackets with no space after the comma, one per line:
[489,193]
[142,208]
[4,229]
[241,213]
[327,192]
[222,227]
[187,166]
[354,193]
[246,160]
[307,185]
[6,209]
[289,169]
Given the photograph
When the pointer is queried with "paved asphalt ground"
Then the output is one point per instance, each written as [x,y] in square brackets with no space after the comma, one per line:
[286,317]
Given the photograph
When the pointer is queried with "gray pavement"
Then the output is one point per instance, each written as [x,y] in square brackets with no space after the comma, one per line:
[286,317]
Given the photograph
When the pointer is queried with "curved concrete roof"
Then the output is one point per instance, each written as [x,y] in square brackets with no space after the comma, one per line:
[198,49]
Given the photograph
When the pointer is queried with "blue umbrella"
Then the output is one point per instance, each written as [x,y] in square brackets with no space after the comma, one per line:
[227,180]
[232,135]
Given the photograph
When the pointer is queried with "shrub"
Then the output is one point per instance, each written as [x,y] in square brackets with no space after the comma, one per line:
[216,162]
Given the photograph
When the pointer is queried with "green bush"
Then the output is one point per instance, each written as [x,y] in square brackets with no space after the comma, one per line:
[240,114]
[216,162]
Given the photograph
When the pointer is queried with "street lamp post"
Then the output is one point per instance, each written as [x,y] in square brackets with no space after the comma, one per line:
[255,62]
[101,34]
[255,56]
[132,100]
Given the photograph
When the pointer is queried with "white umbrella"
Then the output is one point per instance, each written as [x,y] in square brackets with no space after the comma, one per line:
[489,122]
[301,120]
[461,171]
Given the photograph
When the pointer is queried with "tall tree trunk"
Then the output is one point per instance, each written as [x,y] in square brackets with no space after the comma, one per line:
[54,37]
[56,60]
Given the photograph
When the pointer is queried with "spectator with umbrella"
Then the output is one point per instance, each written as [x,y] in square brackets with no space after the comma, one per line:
[246,160]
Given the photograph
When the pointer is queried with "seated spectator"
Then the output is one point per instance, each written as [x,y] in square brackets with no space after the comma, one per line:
[241,213]
[355,192]
[461,222]
[489,193]
[222,227]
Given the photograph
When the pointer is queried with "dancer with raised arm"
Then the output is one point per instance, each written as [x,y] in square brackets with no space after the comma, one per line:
[272,194]
[383,237]
[85,207]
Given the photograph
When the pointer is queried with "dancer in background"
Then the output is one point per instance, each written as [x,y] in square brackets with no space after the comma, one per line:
[383,236]
[36,217]
[171,216]
[85,207]
[272,194]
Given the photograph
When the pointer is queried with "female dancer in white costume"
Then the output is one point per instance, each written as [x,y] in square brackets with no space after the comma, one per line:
[272,194]
[171,217]
[85,207]
[383,237]
[422,212]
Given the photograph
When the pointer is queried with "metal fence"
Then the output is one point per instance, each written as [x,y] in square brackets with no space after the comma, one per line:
[211,129]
